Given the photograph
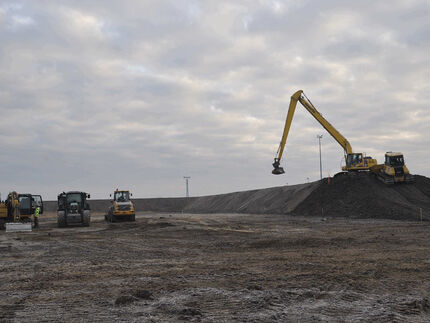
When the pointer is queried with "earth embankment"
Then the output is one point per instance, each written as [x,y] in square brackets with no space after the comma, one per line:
[356,196]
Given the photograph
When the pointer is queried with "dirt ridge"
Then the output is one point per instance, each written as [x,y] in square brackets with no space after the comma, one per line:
[356,196]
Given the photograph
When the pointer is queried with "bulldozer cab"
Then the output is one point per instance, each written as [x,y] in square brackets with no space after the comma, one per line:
[394,159]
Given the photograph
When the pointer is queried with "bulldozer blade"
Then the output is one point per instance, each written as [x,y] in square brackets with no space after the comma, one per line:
[18,227]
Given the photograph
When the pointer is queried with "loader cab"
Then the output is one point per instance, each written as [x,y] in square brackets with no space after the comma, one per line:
[121,196]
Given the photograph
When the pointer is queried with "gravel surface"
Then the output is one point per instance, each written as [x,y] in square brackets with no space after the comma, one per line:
[218,268]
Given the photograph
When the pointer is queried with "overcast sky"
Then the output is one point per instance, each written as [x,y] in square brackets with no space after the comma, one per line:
[96,95]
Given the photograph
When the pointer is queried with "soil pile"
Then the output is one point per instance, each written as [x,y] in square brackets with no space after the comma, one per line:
[363,196]
[275,200]
[358,196]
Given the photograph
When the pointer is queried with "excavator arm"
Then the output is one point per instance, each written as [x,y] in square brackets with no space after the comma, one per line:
[301,97]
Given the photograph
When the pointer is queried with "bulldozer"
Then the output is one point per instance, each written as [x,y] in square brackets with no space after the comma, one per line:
[73,208]
[393,170]
[122,207]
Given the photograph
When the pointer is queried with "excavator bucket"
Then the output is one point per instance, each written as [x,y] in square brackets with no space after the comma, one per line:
[277,170]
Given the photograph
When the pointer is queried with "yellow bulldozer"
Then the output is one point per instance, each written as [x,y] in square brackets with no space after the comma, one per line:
[393,171]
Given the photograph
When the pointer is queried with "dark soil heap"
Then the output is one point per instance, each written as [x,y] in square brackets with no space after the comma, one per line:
[362,195]
[358,195]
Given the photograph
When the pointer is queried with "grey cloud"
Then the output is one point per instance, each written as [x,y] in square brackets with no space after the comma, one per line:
[97,96]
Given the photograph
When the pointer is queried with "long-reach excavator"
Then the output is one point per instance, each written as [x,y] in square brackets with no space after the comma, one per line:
[353,161]
[393,171]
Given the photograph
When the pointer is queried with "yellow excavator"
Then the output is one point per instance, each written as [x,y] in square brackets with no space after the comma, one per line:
[392,171]
[353,161]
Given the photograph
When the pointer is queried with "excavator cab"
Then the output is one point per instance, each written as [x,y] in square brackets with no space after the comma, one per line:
[353,159]
[356,162]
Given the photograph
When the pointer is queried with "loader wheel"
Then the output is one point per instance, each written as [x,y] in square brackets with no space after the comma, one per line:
[132,217]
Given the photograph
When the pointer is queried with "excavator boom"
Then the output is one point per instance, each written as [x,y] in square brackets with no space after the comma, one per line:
[354,161]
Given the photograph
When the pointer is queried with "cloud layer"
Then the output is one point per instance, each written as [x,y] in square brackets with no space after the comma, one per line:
[98,95]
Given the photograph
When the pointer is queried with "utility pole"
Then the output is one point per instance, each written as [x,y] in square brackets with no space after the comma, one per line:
[319,140]
[186,186]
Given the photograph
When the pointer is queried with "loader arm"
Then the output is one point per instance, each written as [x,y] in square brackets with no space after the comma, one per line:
[301,97]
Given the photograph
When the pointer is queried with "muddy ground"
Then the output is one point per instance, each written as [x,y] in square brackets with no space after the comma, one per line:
[218,268]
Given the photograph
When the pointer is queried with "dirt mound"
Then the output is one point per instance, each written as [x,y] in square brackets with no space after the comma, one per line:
[275,200]
[363,196]
[357,196]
